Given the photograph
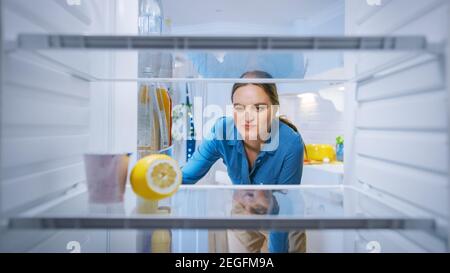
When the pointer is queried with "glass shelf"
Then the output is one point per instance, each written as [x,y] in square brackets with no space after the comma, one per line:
[228,207]
[176,43]
[292,60]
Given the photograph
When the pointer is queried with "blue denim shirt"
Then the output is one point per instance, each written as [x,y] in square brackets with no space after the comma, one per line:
[280,161]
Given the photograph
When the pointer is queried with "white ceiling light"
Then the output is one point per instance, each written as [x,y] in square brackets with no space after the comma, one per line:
[307,97]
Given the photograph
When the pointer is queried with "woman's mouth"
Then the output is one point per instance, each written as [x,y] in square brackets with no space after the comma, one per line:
[248,126]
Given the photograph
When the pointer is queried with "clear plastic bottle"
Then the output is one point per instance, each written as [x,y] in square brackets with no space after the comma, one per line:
[153,121]
[150,17]
[148,135]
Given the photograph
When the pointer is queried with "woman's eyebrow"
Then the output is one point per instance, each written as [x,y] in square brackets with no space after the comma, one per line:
[256,104]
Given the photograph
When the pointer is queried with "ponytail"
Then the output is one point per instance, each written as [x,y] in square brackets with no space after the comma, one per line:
[288,123]
[293,127]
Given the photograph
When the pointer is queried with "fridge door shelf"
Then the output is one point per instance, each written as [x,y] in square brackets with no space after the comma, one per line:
[229,207]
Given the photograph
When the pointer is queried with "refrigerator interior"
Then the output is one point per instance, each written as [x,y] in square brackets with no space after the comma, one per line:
[390,106]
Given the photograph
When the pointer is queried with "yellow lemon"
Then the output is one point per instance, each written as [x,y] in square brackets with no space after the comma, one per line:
[156,177]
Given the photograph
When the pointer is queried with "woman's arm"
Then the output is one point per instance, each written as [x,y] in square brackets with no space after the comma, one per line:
[293,164]
[202,160]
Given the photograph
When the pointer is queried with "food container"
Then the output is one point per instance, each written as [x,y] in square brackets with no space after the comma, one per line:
[106,176]
[323,153]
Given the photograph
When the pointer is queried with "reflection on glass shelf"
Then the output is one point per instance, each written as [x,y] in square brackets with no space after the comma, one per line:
[224,207]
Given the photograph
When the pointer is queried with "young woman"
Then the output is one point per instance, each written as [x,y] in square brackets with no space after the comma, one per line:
[258,148]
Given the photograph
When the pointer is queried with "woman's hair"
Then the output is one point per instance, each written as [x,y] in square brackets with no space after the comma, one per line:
[269,88]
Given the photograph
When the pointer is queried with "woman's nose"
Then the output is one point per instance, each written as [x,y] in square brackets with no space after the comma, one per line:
[249,115]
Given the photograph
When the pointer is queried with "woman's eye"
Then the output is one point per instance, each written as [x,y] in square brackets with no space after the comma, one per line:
[255,108]
[261,108]
[239,108]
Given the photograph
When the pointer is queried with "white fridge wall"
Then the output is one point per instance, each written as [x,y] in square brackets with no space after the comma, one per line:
[48,116]
[123,95]
[400,142]
[448,118]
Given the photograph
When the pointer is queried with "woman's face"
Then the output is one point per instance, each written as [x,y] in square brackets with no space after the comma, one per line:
[252,112]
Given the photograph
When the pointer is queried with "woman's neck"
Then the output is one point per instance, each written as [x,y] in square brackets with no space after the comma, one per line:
[253,145]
